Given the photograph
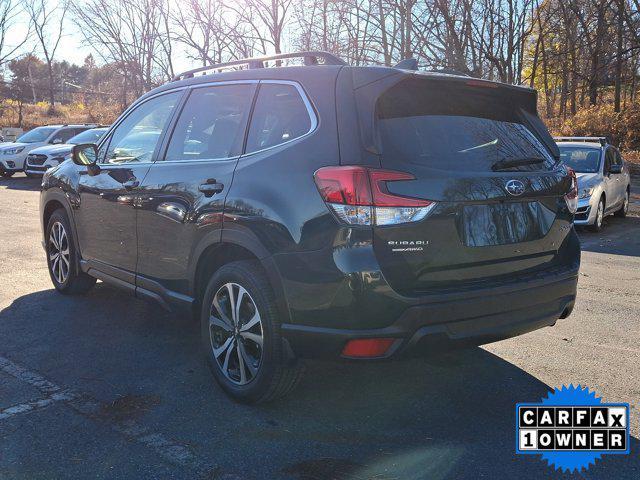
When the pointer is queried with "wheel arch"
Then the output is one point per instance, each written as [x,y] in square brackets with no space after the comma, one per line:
[235,246]
[50,207]
[57,201]
[52,201]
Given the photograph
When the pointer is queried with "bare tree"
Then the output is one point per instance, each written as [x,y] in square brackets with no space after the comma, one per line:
[10,12]
[48,26]
[265,19]
[132,34]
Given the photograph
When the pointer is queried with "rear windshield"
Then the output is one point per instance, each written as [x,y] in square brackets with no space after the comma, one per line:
[456,128]
[581,159]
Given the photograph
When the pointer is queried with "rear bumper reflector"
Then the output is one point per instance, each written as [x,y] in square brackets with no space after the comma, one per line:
[367,347]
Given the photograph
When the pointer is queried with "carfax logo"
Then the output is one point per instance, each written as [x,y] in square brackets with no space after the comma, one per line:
[571,428]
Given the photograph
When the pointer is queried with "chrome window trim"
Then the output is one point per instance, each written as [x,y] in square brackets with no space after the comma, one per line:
[303,95]
[311,111]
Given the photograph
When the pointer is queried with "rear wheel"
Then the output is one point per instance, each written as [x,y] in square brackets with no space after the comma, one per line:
[241,335]
[63,257]
[599,220]
[624,209]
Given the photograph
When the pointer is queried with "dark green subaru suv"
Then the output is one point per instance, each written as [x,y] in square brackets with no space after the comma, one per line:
[322,210]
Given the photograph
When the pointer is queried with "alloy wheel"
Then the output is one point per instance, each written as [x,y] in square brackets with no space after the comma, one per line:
[59,256]
[600,215]
[236,335]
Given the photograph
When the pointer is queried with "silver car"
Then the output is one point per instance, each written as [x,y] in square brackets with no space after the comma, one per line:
[603,178]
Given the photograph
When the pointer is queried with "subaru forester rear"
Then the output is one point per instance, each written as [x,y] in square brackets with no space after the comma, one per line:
[457,218]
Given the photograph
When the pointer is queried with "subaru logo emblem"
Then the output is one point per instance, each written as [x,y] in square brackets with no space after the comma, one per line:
[515,187]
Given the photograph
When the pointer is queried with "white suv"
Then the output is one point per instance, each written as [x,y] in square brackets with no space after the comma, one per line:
[13,155]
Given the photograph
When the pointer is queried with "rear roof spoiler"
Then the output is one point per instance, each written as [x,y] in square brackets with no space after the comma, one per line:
[601,140]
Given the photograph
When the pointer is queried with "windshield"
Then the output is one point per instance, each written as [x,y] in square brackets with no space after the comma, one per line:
[464,130]
[581,159]
[88,136]
[36,135]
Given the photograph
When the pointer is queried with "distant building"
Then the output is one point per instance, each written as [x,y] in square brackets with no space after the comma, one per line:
[9,134]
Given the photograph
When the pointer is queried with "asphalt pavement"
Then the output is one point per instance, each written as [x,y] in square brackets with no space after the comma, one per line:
[108,386]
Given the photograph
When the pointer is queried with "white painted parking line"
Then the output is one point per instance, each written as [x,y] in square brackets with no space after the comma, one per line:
[26,376]
[87,406]
[35,405]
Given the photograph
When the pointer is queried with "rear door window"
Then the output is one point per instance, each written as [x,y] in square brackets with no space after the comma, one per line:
[212,123]
[63,135]
[280,115]
[420,123]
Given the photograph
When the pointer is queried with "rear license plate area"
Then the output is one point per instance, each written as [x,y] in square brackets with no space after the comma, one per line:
[504,223]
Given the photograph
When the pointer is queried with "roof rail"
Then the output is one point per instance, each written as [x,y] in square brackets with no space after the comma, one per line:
[310,58]
[601,140]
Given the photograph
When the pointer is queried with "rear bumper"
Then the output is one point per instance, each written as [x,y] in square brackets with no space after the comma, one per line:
[438,323]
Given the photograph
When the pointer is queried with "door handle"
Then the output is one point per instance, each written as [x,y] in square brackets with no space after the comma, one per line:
[131,183]
[211,187]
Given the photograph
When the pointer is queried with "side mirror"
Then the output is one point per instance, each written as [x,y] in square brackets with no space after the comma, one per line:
[615,169]
[85,154]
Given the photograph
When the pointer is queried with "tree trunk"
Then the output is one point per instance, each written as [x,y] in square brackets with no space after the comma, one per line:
[618,87]
[52,99]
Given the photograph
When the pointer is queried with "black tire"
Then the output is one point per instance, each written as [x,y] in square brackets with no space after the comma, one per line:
[75,281]
[598,223]
[5,174]
[275,373]
[622,212]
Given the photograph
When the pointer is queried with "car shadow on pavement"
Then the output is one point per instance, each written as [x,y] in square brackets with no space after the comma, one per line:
[619,237]
[451,416]
[20,182]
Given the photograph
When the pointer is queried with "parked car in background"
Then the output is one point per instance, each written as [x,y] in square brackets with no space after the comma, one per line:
[322,210]
[604,180]
[13,155]
[42,158]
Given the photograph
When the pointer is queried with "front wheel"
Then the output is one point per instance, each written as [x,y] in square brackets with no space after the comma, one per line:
[5,174]
[241,335]
[599,220]
[63,257]
[624,209]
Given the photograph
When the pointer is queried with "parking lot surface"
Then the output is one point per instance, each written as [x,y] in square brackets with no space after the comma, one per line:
[109,386]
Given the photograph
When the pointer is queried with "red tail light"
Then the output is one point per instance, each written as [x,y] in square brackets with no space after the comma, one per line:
[344,185]
[367,347]
[359,196]
[571,198]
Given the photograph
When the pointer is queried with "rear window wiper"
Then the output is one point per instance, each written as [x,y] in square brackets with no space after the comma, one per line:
[507,163]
